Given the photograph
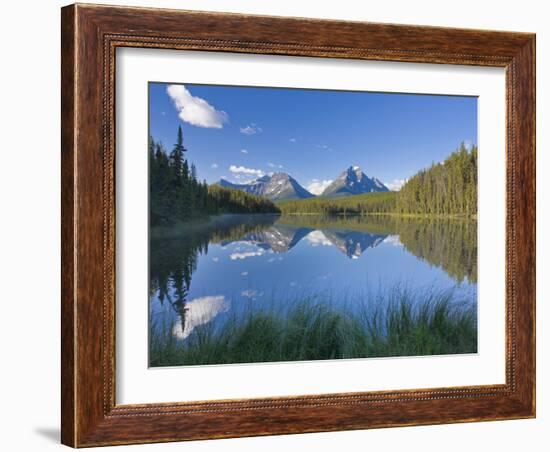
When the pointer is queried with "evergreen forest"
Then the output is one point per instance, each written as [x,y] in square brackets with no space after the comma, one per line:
[177,195]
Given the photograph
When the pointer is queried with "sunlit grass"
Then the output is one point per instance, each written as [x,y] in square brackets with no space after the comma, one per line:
[400,324]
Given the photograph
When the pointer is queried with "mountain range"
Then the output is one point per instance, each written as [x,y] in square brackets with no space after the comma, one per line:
[282,238]
[277,187]
[281,186]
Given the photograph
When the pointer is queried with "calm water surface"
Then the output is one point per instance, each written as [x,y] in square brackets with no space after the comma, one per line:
[206,272]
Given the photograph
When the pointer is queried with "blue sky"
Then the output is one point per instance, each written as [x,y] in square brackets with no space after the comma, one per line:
[240,133]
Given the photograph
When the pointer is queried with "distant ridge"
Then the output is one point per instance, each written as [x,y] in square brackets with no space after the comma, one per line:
[277,187]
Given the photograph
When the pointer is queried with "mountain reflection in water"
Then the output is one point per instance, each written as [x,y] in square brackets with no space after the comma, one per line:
[202,273]
[282,238]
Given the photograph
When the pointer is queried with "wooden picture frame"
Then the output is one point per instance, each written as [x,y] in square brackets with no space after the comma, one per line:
[90,36]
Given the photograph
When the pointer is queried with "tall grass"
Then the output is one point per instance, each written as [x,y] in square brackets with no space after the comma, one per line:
[400,324]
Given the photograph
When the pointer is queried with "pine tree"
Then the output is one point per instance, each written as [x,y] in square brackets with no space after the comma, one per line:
[177,157]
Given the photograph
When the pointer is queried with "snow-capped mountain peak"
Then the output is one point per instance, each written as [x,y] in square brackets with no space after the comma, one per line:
[278,186]
[282,186]
[353,181]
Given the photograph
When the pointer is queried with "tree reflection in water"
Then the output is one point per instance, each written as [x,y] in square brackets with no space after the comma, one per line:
[450,244]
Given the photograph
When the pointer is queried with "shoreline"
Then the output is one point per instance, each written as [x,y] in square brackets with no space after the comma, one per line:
[388,214]
[213,219]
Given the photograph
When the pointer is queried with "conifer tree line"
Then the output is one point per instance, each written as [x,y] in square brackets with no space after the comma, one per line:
[176,194]
[447,188]
[383,202]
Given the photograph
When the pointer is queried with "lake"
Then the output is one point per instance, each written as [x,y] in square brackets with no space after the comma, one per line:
[206,274]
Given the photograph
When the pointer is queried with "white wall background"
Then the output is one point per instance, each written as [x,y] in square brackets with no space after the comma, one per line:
[29,227]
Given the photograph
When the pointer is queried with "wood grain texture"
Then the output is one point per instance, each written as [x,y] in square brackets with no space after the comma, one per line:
[67,226]
[90,36]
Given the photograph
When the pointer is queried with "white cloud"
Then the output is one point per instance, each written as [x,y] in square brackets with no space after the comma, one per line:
[249,293]
[251,129]
[317,186]
[242,179]
[200,311]
[274,165]
[244,274]
[292,140]
[246,255]
[244,151]
[325,147]
[243,170]
[393,240]
[396,184]
[214,165]
[194,110]
[317,238]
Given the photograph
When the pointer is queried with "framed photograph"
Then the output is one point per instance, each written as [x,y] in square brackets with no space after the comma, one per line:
[282,225]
